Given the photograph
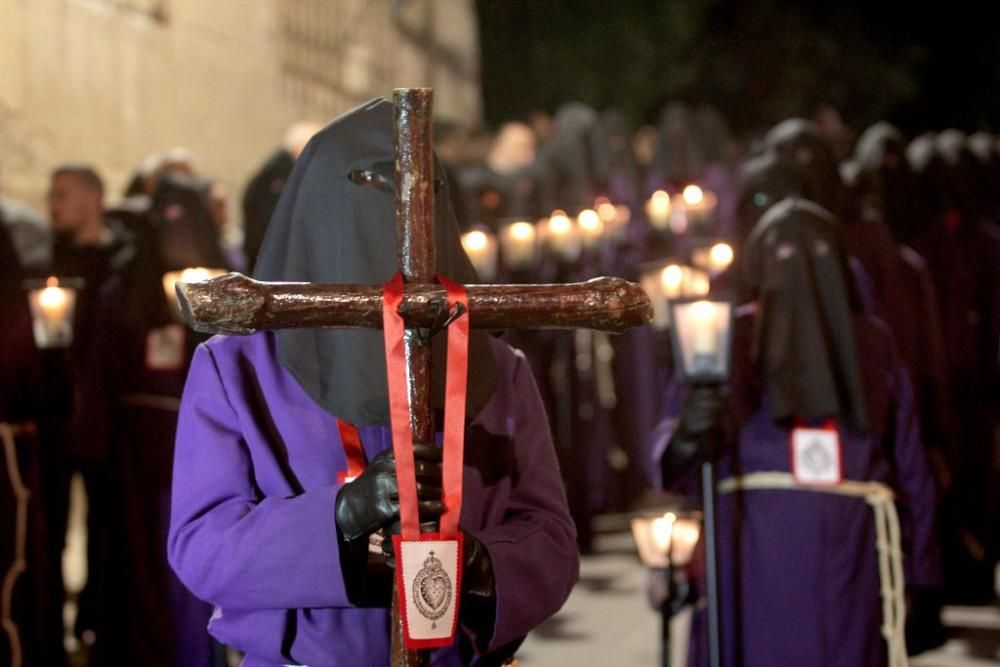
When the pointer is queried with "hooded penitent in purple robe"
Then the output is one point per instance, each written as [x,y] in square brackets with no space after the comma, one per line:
[799,580]
[252,525]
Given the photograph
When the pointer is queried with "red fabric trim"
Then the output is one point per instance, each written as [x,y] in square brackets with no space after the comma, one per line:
[353,451]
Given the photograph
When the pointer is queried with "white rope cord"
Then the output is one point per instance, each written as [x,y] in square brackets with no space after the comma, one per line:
[19,564]
[887,543]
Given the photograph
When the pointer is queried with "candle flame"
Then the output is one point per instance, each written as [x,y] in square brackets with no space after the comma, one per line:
[662,529]
[52,296]
[672,278]
[474,241]
[721,255]
[693,195]
[703,311]
[658,209]
[559,223]
[698,285]
[52,281]
[607,211]
[590,222]
[522,231]
[196,274]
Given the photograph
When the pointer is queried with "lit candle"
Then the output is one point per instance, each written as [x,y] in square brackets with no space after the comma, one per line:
[518,243]
[704,320]
[606,210]
[698,205]
[608,213]
[662,285]
[720,257]
[658,209]
[683,539]
[696,284]
[672,278]
[562,236]
[481,248]
[591,226]
[693,196]
[663,528]
[52,310]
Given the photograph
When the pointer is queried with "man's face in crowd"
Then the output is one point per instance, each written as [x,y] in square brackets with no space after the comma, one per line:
[72,205]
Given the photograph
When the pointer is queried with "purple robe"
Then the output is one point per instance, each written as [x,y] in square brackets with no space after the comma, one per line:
[145,616]
[799,582]
[253,530]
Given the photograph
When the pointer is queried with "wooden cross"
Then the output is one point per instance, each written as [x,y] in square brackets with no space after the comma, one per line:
[235,304]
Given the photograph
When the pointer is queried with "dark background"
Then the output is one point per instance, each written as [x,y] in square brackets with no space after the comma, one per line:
[922,66]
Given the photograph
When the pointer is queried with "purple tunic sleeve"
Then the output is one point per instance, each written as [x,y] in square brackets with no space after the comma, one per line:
[536,529]
[915,484]
[229,546]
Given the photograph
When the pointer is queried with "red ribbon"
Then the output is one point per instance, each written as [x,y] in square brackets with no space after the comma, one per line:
[355,453]
[454,408]
[456,386]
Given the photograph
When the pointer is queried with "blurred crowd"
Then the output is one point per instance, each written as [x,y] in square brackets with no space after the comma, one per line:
[554,198]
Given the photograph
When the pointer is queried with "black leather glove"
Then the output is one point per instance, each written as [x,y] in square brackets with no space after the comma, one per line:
[477,572]
[371,501]
[478,591]
[699,432]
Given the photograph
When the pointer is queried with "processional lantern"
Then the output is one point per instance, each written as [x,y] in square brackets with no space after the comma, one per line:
[235,304]
[666,539]
[666,544]
[53,305]
[665,282]
[701,334]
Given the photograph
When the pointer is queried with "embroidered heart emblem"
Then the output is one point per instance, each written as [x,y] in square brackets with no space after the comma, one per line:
[434,590]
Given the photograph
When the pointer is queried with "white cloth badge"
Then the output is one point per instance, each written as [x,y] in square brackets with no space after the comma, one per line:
[165,348]
[429,579]
[816,455]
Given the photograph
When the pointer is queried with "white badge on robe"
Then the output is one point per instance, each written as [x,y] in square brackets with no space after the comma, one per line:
[429,577]
[816,455]
[165,348]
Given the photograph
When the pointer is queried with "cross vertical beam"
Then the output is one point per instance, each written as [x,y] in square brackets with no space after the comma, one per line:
[415,254]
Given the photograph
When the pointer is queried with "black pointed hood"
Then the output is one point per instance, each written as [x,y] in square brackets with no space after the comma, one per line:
[795,268]
[335,223]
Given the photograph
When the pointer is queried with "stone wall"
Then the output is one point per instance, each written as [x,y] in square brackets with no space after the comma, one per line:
[111,81]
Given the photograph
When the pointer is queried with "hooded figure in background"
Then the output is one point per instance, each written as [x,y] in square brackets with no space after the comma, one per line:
[33,624]
[962,252]
[571,159]
[883,182]
[797,162]
[507,184]
[264,188]
[984,147]
[679,158]
[262,526]
[136,369]
[799,574]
